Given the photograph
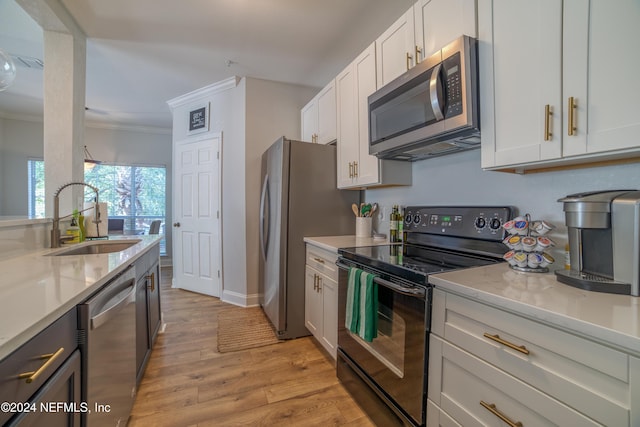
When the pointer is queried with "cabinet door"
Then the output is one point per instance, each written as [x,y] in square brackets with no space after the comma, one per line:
[395,49]
[329,292]
[312,303]
[438,22]
[368,166]
[309,120]
[153,303]
[600,66]
[520,58]
[326,99]
[347,125]
[62,387]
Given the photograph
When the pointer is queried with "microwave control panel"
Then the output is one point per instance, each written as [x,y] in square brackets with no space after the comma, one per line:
[453,85]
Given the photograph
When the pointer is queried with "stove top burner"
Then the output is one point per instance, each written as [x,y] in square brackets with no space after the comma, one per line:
[412,262]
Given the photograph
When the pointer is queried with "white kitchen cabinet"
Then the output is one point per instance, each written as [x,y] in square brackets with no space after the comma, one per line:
[535,58]
[438,22]
[421,31]
[321,297]
[318,117]
[356,167]
[396,49]
[532,373]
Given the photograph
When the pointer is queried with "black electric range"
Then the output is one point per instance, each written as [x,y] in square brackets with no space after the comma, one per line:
[388,375]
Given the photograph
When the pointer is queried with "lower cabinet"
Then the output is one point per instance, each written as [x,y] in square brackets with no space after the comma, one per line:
[321,297]
[148,310]
[488,366]
[43,376]
[58,402]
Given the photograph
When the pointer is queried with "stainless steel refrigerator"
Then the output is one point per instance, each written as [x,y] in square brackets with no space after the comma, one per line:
[299,198]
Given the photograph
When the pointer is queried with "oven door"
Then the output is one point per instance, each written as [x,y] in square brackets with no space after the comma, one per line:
[394,364]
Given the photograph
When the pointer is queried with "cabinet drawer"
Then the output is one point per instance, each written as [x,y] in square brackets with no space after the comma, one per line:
[29,358]
[587,376]
[465,381]
[323,261]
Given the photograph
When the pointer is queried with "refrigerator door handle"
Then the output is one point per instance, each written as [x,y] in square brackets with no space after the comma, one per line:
[264,204]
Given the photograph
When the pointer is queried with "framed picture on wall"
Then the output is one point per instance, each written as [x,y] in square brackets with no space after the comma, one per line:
[199,120]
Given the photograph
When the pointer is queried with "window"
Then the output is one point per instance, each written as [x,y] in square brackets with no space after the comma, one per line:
[133,193]
[136,194]
[36,195]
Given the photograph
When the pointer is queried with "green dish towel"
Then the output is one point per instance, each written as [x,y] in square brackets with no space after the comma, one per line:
[361,317]
[352,314]
[368,324]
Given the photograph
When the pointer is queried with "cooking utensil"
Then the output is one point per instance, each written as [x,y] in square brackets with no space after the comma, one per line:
[374,208]
[355,210]
[365,210]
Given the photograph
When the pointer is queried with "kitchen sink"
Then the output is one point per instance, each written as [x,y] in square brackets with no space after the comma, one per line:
[94,248]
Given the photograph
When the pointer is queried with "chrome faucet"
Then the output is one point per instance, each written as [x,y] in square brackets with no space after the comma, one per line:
[55,231]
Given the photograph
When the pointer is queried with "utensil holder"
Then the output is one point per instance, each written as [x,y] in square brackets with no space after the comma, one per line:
[363,226]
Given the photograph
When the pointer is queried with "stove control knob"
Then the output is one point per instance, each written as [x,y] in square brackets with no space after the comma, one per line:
[407,218]
[495,224]
[480,223]
[417,218]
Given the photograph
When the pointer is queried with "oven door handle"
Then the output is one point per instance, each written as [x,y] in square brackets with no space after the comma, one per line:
[416,292]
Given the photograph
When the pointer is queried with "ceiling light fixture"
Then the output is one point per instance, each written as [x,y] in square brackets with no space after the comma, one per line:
[7,70]
[89,161]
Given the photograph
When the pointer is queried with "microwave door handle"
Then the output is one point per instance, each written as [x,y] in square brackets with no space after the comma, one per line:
[435,93]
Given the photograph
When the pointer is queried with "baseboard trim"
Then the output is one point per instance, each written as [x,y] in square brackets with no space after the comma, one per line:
[239,299]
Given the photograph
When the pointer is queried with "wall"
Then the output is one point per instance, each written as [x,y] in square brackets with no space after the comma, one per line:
[21,140]
[251,116]
[458,180]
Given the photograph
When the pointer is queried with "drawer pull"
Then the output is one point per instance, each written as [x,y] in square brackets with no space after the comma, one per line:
[496,338]
[33,375]
[491,407]
[320,260]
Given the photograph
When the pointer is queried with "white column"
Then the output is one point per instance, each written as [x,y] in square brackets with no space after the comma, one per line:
[64,100]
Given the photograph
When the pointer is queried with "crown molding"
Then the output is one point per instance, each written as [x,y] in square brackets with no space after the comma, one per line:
[203,92]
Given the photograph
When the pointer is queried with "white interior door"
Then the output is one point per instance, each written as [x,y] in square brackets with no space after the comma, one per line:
[196,211]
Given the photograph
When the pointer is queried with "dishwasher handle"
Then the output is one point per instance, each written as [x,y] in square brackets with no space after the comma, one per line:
[108,314]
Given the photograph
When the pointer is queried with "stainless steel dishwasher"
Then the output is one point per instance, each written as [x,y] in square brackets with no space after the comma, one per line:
[108,345]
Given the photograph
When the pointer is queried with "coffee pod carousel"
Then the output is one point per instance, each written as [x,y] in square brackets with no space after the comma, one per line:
[528,244]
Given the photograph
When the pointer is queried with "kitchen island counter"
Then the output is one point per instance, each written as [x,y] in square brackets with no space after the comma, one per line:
[36,289]
[613,320]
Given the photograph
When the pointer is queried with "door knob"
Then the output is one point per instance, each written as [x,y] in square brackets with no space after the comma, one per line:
[176,224]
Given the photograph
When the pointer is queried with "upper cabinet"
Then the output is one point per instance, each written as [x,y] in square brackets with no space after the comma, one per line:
[396,49]
[438,22]
[318,117]
[421,31]
[356,167]
[550,73]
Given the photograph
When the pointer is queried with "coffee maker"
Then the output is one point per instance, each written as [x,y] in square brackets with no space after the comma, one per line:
[604,241]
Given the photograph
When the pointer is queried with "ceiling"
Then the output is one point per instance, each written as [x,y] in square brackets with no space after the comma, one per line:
[142,53]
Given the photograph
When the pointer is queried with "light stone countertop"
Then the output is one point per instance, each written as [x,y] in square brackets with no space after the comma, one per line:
[37,289]
[333,243]
[610,319]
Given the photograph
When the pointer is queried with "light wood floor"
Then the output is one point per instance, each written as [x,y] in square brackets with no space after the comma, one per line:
[188,383]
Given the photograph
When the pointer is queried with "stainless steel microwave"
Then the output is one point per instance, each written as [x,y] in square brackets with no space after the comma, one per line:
[430,110]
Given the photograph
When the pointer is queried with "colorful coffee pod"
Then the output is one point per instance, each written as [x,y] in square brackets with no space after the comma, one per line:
[528,244]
